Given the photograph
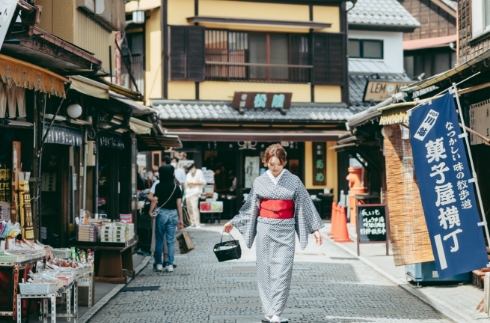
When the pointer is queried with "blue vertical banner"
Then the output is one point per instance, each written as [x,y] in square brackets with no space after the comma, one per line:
[447,188]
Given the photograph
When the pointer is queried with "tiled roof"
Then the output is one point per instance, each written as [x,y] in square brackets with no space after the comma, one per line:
[381,13]
[357,84]
[222,111]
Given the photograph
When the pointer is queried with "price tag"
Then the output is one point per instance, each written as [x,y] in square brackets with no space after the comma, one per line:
[84,282]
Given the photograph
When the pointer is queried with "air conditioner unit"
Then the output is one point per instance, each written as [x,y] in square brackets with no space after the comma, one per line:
[95,6]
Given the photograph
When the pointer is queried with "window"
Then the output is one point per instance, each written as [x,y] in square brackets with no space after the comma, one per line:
[234,55]
[365,48]
[197,54]
[480,17]
[187,53]
[132,50]
[424,64]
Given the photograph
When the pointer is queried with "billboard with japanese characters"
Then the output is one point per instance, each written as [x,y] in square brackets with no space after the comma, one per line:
[446,188]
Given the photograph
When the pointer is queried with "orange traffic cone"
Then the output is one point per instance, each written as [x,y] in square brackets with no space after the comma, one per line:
[333,219]
[342,233]
[338,214]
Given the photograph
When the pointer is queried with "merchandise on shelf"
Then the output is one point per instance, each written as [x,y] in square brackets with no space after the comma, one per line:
[117,232]
[87,232]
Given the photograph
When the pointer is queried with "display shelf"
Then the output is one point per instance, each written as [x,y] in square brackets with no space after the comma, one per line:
[21,263]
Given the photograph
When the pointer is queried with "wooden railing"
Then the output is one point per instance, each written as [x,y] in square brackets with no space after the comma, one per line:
[225,71]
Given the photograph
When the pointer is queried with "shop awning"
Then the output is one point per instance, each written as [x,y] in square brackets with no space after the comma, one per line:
[121,90]
[247,134]
[89,87]
[158,142]
[395,113]
[30,76]
[138,126]
[138,109]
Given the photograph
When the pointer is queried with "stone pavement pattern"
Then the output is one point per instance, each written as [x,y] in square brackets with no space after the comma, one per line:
[328,285]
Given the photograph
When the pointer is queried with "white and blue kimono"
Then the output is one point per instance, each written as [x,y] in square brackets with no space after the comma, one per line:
[275,237]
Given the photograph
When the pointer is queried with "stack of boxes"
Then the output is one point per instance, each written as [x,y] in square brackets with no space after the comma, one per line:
[87,232]
[118,232]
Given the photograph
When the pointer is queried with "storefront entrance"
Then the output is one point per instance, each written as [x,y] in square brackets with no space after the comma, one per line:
[235,166]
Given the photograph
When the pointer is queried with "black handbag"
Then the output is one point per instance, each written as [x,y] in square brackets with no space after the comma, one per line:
[228,250]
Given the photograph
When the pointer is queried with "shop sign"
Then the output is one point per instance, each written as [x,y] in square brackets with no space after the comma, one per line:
[372,225]
[447,188]
[63,135]
[261,100]
[111,141]
[380,91]
[7,10]
[319,163]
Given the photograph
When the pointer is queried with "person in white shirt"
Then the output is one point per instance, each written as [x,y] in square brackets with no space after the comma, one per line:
[179,172]
[194,185]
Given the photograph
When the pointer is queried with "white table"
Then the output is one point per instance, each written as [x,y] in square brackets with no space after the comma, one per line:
[67,291]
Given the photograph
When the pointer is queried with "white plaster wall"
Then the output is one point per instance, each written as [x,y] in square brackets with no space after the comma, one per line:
[392,53]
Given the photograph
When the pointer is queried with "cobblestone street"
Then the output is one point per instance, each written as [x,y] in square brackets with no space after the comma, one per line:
[328,285]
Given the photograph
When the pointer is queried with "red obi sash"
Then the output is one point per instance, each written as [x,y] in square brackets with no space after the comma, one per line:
[277,209]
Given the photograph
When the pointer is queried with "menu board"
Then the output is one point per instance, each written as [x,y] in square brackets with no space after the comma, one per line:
[372,224]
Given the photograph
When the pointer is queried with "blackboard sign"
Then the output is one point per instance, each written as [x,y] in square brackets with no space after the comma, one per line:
[372,224]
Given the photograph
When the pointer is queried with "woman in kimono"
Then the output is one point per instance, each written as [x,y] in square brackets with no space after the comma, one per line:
[278,206]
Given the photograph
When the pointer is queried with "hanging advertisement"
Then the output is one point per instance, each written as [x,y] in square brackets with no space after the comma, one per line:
[7,10]
[252,168]
[446,188]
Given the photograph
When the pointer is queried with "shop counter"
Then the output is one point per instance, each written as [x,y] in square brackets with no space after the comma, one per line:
[113,261]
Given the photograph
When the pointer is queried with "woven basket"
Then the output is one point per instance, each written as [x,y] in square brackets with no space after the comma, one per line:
[408,228]
[36,289]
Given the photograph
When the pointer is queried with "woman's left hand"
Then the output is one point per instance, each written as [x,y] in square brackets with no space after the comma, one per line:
[318,238]
[180,225]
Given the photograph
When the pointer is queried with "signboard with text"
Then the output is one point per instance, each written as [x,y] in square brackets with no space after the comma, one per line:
[372,225]
[378,91]
[447,188]
[261,100]
[319,163]
[7,10]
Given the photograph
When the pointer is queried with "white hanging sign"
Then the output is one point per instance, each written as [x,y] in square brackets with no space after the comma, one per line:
[7,10]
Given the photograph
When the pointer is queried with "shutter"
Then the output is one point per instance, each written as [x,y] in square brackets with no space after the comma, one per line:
[336,59]
[329,59]
[298,55]
[178,56]
[195,54]
[320,59]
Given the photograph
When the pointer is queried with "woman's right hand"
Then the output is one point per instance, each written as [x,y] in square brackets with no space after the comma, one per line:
[228,227]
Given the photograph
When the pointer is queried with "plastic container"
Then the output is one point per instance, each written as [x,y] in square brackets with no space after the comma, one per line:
[36,288]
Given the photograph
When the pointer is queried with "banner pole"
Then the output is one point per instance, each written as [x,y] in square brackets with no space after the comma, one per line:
[454,91]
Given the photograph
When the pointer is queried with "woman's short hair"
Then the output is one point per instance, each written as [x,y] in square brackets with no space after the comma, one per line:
[191,166]
[275,150]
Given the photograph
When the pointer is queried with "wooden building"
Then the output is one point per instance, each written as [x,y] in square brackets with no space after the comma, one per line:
[218,52]
[430,49]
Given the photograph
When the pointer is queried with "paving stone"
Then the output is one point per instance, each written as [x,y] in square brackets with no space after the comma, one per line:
[327,286]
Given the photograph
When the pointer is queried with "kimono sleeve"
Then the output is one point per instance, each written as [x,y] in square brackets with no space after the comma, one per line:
[307,218]
[246,219]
